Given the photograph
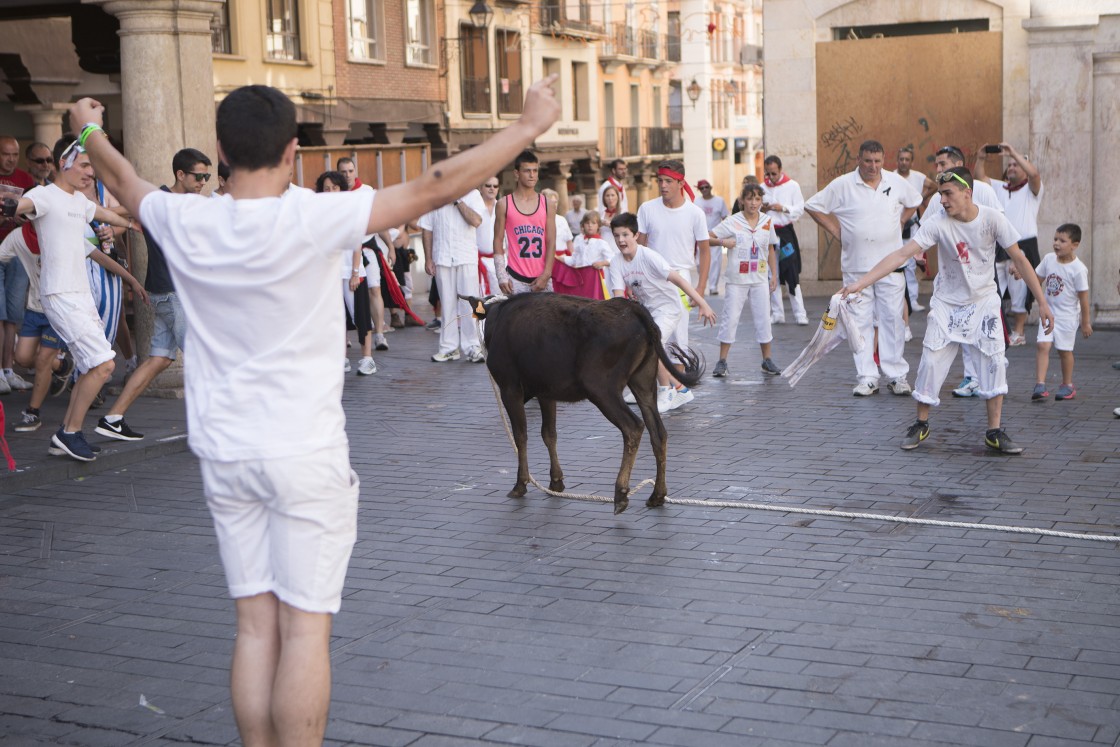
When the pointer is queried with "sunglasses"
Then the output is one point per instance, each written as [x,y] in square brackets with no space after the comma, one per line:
[946,176]
[490,186]
[199,177]
[40,161]
[951,150]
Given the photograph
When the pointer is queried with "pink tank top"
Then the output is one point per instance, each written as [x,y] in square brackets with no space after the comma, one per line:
[525,239]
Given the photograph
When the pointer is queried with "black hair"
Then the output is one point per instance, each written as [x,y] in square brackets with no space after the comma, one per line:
[774,160]
[1072,230]
[946,176]
[60,147]
[614,164]
[871,146]
[955,154]
[255,124]
[187,159]
[625,220]
[525,156]
[223,170]
[344,159]
[906,149]
[331,176]
[673,165]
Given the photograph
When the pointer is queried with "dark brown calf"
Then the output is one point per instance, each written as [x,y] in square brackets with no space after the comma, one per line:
[566,349]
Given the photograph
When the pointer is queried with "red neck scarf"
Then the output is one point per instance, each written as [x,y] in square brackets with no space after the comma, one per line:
[780,182]
[1016,187]
[679,177]
[617,185]
[357,184]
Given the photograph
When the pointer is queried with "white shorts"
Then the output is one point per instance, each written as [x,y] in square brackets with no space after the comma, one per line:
[991,373]
[1064,334]
[286,526]
[520,287]
[738,296]
[75,318]
[669,324]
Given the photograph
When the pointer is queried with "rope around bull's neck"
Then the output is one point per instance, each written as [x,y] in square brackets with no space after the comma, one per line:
[781,509]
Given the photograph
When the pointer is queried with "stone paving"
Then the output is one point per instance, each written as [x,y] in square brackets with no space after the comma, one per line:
[473,619]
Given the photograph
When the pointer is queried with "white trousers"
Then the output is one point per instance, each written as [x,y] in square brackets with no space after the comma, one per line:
[714,268]
[883,302]
[455,333]
[991,372]
[910,271]
[738,296]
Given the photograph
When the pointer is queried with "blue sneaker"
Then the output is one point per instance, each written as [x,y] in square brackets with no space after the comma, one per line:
[73,445]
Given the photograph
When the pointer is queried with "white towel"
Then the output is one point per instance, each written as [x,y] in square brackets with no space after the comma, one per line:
[836,325]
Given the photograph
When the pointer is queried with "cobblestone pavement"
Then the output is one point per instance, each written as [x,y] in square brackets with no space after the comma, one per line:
[473,619]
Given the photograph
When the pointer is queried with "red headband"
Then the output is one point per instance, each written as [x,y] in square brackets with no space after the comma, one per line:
[663,171]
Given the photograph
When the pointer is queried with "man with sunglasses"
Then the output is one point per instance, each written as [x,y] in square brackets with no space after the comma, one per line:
[965,308]
[192,171]
[39,163]
[865,210]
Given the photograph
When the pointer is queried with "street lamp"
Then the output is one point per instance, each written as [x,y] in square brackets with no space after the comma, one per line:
[693,90]
[480,14]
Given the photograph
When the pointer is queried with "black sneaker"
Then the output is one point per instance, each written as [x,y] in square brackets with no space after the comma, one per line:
[118,430]
[434,325]
[998,440]
[721,368]
[768,367]
[73,445]
[915,434]
[28,421]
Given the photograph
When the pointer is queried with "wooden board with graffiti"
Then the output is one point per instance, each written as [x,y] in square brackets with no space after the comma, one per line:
[922,91]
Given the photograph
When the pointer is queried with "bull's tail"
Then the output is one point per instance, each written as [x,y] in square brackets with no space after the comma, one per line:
[693,363]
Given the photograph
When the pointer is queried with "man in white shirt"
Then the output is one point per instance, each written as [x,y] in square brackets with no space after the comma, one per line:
[782,200]
[925,187]
[865,210]
[1021,196]
[674,227]
[715,210]
[487,275]
[349,169]
[451,257]
[273,450]
[575,215]
[616,178]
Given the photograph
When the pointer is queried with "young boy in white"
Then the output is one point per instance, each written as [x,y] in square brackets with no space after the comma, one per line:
[1065,280]
[590,249]
[645,276]
[256,271]
[751,239]
[965,308]
[61,213]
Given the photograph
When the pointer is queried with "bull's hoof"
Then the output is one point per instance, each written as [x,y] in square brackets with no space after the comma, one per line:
[557,486]
[655,501]
[620,506]
[517,492]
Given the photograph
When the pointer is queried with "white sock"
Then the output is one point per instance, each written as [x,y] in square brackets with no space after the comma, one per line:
[113,419]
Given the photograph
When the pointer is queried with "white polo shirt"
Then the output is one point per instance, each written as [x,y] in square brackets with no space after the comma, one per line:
[870,226]
[454,241]
[1020,207]
[673,232]
[788,195]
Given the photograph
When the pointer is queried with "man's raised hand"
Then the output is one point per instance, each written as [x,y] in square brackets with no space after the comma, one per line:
[85,111]
[542,108]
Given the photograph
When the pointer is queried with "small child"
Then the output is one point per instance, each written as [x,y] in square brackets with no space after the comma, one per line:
[645,276]
[581,272]
[752,239]
[589,248]
[1065,280]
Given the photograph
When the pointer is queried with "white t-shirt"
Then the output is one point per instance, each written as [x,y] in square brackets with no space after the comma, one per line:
[869,217]
[563,234]
[1061,283]
[966,254]
[589,251]
[715,210]
[788,195]
[484,234]
[673,232]
[454,241]
[15,247]
[645,278]
[1020,207]
[258,280]
[60,221]
[982,194]
[748,263]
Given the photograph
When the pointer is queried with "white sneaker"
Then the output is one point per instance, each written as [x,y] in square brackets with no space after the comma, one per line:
[664,399]
[444,357]
[474,355]
[681,397]
[17,383]
[900,387]
[345,365]
[917,307]
[908,335]
[366,367]
[628,397]
[5,387]
[865,389]
[801,321]
[775,319]
[379,342]
[967,388]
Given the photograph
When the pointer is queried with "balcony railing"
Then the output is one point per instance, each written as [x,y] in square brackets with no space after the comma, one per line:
[510,103]
[623,41]
[630,142]
[648,46]
[554,13]
[476,95]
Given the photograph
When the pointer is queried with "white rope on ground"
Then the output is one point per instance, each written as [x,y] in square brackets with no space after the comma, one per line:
[789,509]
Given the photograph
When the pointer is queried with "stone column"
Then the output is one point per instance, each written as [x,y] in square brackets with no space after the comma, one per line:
[560,184]
[47,121]
[167,90]
[1104,264]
